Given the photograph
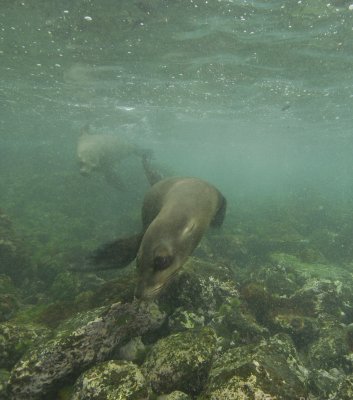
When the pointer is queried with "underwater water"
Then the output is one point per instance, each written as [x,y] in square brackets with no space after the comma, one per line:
[254,96]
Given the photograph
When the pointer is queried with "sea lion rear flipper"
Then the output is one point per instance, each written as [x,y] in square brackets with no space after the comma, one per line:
[153,176]
[117,254]
[218,219]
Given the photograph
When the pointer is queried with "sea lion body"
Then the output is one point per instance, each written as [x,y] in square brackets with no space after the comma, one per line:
[102,153]
[176,212]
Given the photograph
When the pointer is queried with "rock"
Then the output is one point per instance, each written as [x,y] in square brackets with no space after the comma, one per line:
[331,349]
[177,395]
[4,378]
[324,384]
[345,389]
[271,369]
[303,330]
[195,296]
[16,339]
[9,298]
[297,298]
[181,361]
[66,286]
[134,350]
[14,259]
[206,294]
[111,380]
[45,367]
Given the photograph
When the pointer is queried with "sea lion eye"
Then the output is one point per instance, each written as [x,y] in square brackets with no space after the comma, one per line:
[162,262]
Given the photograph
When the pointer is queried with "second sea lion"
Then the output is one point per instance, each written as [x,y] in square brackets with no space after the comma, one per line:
[102,153]
[176,212]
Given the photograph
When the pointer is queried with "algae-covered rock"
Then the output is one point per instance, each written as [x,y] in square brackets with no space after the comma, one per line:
[271,369]
[16,339]
[134,350]
[111,380]
[206,293]
[291,263]
[182,319]
[4,378]
[45,367]
[331,349]
[201,287]
[181,361]
[176,395]
[344,390]
[296,298]
[195,296]
[14,259]
[324,384]
[66,286]
[9,298]
[303,330]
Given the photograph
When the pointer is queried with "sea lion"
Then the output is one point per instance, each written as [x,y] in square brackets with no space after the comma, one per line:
[102,153]
[176,212]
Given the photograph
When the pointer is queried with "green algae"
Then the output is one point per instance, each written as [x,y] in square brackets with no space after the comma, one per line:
[311,270]
[111,380]
[181,361]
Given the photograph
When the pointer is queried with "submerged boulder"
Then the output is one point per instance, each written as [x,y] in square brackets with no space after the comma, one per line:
[176,395]
[4,379]
[270,369]
[111,380]
[195,297]
[14,259]
[9,298]
[16,339]
[44,368]
[332,349]
[181,361]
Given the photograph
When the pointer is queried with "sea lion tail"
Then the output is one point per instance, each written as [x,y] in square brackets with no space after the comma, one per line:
[218,219]
[117,254]
[153,176]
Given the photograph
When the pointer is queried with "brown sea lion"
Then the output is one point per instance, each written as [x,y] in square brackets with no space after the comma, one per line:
[102,153]
[176,212]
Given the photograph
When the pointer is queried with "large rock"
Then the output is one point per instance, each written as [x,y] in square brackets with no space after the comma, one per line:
[111,380]
[14,259]
[45,367]
[16,339]
[9,298]
[181,361]
[271,369]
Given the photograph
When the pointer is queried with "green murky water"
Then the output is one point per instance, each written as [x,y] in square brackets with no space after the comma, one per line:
[254,96]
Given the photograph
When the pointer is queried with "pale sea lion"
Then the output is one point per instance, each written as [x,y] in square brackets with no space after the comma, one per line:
[102,153]
[176,212]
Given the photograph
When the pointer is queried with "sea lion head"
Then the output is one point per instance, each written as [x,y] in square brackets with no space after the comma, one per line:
[88,154]
[87,165]
[163,251]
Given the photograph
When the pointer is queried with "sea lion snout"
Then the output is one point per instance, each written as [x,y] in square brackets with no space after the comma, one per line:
[156,266]
[86,166]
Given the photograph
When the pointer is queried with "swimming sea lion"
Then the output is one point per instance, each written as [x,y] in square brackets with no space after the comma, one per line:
[176,212]
[102,153]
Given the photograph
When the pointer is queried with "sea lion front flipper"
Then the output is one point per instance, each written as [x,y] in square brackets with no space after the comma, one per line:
[117,254]
[218,218]
[153,176]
